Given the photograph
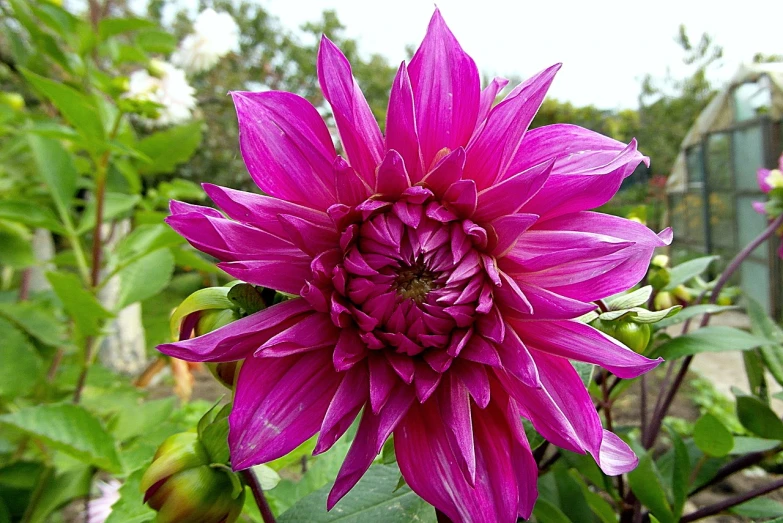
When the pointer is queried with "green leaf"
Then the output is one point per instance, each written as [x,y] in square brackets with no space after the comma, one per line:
[533,437]
[190,259]
[759,508]
[145,416]
[20,364]
[130,508]
[372,499]
[763,325]
[214,435]
[87,313]
[113,26]
[585,371]
[546,512]
[758,418]
[76,108]
[35,320]
[645,482]
[115,205]
[681,472]
[169,148]
[712,437]
[600,507]
[755,372]
[247,297]
[57,169]
[267,477]
[576,507]
[69,428]
[15,248]
[640,315]
[694,310]
[685,271]
[145,239]
[745,445]
[30,214]
[145,277]
[61,489]
[156,41]
[708,339]
[630,300]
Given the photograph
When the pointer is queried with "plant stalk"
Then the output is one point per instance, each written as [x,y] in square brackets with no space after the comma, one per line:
[727,503]
[258,494]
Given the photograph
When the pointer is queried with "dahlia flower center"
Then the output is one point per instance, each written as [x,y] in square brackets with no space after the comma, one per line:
[415,282]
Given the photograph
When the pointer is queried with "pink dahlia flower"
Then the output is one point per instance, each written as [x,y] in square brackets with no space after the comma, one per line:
[438,269]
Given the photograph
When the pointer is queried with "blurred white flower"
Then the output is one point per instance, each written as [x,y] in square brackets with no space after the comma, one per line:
[215,34]
[99,508]
[165,85]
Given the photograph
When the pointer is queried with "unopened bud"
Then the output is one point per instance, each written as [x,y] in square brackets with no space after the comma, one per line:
[660,260]
[182,485]
[658,277]
[13,100]
[663,300]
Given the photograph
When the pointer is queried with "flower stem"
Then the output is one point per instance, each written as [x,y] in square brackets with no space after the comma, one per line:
[258,495]
[741,463]
[727,503]
[660,413]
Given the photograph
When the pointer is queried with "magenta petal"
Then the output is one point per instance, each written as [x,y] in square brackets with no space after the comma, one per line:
[350,349]
[286,147]
[359,132]
[487,98]
[509,229]
[278,404]
[282,274]
[511,194]
[615,456]
[262,211]
[401,132]
[517,359]
[238,339]
[761,176]
[585,181]
[392,179]
[577,341]
[454,403]
[351,187]
[491,151]
[373,431]
[424,453]
[760,207]
[446,91]
[446,172]
[313,332]
[351,395]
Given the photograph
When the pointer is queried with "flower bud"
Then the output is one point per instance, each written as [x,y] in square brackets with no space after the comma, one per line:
[660,260]
[210,320]
[636,336]
[182,485]
[13,100]
[658,277]
[663,300]
[682,294]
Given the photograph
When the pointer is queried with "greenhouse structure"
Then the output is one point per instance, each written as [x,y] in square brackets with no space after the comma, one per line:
[713,182]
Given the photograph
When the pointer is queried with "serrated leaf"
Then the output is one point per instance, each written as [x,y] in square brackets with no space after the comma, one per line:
[685,271]
[76,108]
[30,214]
[145,277]
[758,418]
[712,437]
[372,499]
[81,306]
[169,148]
[35,320]
[136,421]
[56,167]
[130,508]
[630,300]
[20,364]
[69,428]
[115,205]
[708,339]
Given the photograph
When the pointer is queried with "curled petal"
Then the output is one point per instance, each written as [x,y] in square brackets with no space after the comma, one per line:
[615,456]
[487,98]
[401,132]
[239,339]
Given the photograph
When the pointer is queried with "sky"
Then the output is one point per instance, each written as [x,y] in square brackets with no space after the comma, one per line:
[606,47]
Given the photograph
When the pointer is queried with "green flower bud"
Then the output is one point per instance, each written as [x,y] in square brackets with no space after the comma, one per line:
[660,260]
[658,277]
[682,294]
[13,100]
[182,485]
[607,327]
[210,320]
[636,336]
[663,300]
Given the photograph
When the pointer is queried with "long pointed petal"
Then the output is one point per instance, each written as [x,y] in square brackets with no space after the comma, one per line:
[446,91]
[401,132]
[359,132]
